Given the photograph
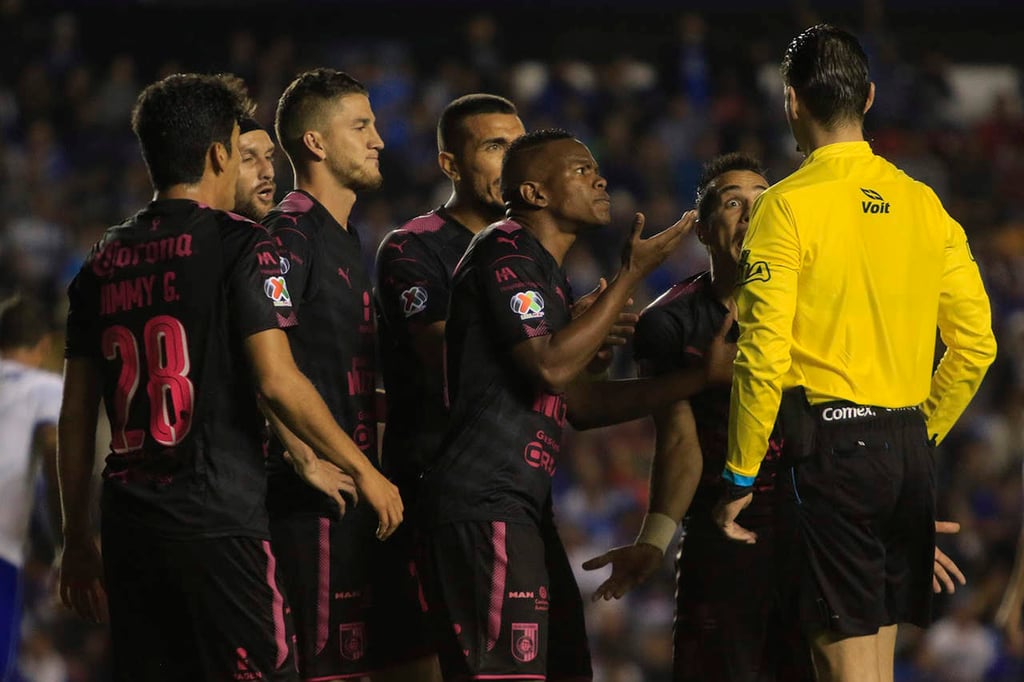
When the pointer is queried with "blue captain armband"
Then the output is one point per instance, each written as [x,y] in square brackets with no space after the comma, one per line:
[737,485]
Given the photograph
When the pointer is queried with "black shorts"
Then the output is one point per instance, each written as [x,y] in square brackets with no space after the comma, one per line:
[731,623]
[326,567]
[864,504]
[504,602]
[206,609]
[399,604]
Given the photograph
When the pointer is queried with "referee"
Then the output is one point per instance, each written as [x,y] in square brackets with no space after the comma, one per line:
[848,267]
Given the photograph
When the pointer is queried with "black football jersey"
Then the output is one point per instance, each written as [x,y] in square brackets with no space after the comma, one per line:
[414,279]
[675,332]
[505,435]
[162,304]
[335,346]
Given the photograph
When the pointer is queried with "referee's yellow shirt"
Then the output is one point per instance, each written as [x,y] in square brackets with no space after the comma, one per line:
[849,266]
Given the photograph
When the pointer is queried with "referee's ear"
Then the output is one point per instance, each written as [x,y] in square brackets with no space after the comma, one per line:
[871,98]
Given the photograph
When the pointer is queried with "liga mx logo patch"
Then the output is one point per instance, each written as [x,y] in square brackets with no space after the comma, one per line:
[353,641]
[276,289]
[414,300]
[527,304]
[524,641]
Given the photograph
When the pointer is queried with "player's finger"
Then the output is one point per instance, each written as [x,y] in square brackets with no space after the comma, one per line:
[947,527]
[939,575]
[948,564]
[638,227]
[596,563]
[103,606]
[735,531]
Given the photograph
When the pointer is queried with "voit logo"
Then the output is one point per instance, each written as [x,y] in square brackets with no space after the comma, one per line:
[877,203]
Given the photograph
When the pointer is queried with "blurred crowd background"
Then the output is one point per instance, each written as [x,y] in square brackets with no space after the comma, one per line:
[655,91]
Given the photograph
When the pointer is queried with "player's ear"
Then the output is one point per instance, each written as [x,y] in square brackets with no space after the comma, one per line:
[792,103]
[446,160]
[532,194]
[314,142]
[217,157]
[701,229]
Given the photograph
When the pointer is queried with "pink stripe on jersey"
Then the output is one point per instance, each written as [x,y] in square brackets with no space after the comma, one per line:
[498,573]
[278,606]
[431,222]
[295,202]
[323,592]
[509,677]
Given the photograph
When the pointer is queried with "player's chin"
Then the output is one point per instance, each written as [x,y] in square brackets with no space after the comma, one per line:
[370,180]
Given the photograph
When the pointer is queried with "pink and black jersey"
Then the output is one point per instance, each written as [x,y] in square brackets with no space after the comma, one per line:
[501,448]
[335,346]
[674,332]
[162,304]
[414,280]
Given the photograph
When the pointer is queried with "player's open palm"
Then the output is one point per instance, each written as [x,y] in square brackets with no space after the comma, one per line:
[81,579]
[642,256]
[384,497]
[631,565]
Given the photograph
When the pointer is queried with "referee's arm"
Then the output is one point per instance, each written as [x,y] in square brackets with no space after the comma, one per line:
[965,326]
[766,304]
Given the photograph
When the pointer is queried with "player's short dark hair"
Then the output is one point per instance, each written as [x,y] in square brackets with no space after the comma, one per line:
[177,118]
[302,106]
[517,159]
[450,126]
[707,194]
[23,322]
[828,69]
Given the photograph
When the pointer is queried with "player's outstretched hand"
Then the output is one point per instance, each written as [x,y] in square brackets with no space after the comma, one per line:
[725,513]
[384,497]
[722,353]
[641,256]
[945,568]
[81,579]
[331,481]
[631,565]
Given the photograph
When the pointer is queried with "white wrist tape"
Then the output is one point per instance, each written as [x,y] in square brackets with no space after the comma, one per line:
[658,530]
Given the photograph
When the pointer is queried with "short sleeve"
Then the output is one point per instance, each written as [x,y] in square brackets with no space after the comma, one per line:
[258,294]
[412,284]
[517,292]
[81,333]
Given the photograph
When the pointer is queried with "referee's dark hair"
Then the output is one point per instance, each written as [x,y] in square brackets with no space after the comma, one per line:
[449,127]
[707,193]
[23,323]
[828,69]
[521,152]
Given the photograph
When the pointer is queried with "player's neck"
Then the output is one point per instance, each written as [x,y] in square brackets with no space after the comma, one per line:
[816,136]
[553,237]
[471,215]
[724,275]
[202,192]
[337,199]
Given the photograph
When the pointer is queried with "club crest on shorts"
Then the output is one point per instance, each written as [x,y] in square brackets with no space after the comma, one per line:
[527,304]
[414,300]
[353,641]
[524,641]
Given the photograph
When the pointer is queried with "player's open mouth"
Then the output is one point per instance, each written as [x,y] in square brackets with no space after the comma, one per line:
[266,193]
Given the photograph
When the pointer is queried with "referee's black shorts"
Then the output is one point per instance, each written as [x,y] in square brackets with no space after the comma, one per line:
[864,504]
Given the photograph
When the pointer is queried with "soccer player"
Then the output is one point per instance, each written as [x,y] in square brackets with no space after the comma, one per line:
[29,407]
[848,267]
[494,569]
[254,196]
[325,125]
[176,319]
[414,272]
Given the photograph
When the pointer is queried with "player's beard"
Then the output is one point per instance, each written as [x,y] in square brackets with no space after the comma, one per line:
[358,178]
